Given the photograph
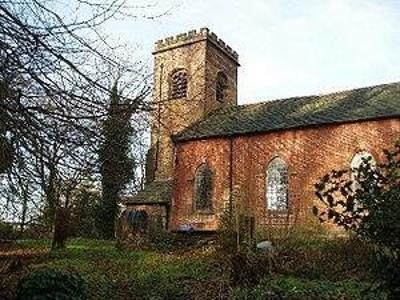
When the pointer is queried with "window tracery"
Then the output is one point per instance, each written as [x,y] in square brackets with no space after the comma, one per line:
[277,185]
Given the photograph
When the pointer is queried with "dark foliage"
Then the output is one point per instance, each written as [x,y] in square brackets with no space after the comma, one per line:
[116,164]
[48,283]
[249,267]
[368,203]
[83,213]
[236,247]
[7,232]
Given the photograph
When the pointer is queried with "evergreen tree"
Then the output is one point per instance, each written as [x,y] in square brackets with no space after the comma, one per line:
[116,163]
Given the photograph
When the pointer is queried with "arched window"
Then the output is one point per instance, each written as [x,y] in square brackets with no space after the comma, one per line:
[221,86]
[203,188]
[277,185]
[360,159]
[178,84]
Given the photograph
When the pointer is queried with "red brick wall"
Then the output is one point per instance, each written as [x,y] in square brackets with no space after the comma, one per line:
[309,153]
[189,157]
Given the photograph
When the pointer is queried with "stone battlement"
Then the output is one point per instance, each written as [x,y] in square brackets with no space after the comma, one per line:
[194,36]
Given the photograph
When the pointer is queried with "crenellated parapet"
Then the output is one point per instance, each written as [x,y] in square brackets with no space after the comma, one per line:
[193,36]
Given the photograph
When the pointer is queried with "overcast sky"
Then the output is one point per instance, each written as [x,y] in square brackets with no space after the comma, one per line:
[287,47]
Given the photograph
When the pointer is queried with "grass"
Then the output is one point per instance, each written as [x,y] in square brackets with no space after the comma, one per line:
[282,287]
[339,268]
[123,274]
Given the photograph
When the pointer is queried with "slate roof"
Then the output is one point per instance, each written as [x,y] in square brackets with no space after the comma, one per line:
[156,192]
[376,102]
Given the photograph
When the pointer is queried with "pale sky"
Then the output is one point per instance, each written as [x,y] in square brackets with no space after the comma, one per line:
[286,48]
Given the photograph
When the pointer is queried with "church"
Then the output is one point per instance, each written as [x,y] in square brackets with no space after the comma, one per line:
[208,154]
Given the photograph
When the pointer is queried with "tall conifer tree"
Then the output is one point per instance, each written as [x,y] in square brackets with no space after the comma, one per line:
[116,163]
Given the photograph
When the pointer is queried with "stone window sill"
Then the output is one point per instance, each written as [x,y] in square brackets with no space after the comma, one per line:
[279,212]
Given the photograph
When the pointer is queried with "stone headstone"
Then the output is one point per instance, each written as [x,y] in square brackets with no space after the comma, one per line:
[265,246]
[186,228]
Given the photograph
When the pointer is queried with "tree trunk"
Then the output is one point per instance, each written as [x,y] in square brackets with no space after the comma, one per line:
[61,227]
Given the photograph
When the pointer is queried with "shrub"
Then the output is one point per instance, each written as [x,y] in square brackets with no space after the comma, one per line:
[48,283]
[315,254]
[237,226]
[7,232]
[236,248]
[366,201]
[85,205]
[36,231]
[235,232]
[248,267]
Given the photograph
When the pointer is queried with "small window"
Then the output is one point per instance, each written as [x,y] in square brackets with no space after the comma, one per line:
[277,185]
[221,86]
[178,84]
[203,188]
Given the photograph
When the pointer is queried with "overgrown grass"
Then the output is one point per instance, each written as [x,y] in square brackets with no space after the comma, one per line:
[279,287]
[316,254]
[34,244]
[304,266]
[124,274]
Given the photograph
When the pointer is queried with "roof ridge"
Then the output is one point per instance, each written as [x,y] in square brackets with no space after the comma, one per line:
[372,102]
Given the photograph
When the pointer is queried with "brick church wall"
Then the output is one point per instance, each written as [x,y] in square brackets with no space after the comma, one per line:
[309,153]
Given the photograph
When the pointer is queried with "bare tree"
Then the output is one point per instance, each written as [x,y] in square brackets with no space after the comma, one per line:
[56,67]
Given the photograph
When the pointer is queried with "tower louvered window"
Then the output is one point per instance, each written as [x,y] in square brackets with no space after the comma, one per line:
[203,188]
[221,85]
[277,185]
[178,85]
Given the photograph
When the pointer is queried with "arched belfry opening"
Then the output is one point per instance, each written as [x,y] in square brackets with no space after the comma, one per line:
[178,84]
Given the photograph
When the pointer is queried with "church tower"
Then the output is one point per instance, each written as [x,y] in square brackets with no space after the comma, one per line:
[194,74]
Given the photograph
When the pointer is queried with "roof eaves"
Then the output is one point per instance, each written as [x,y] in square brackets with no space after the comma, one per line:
[256,132]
